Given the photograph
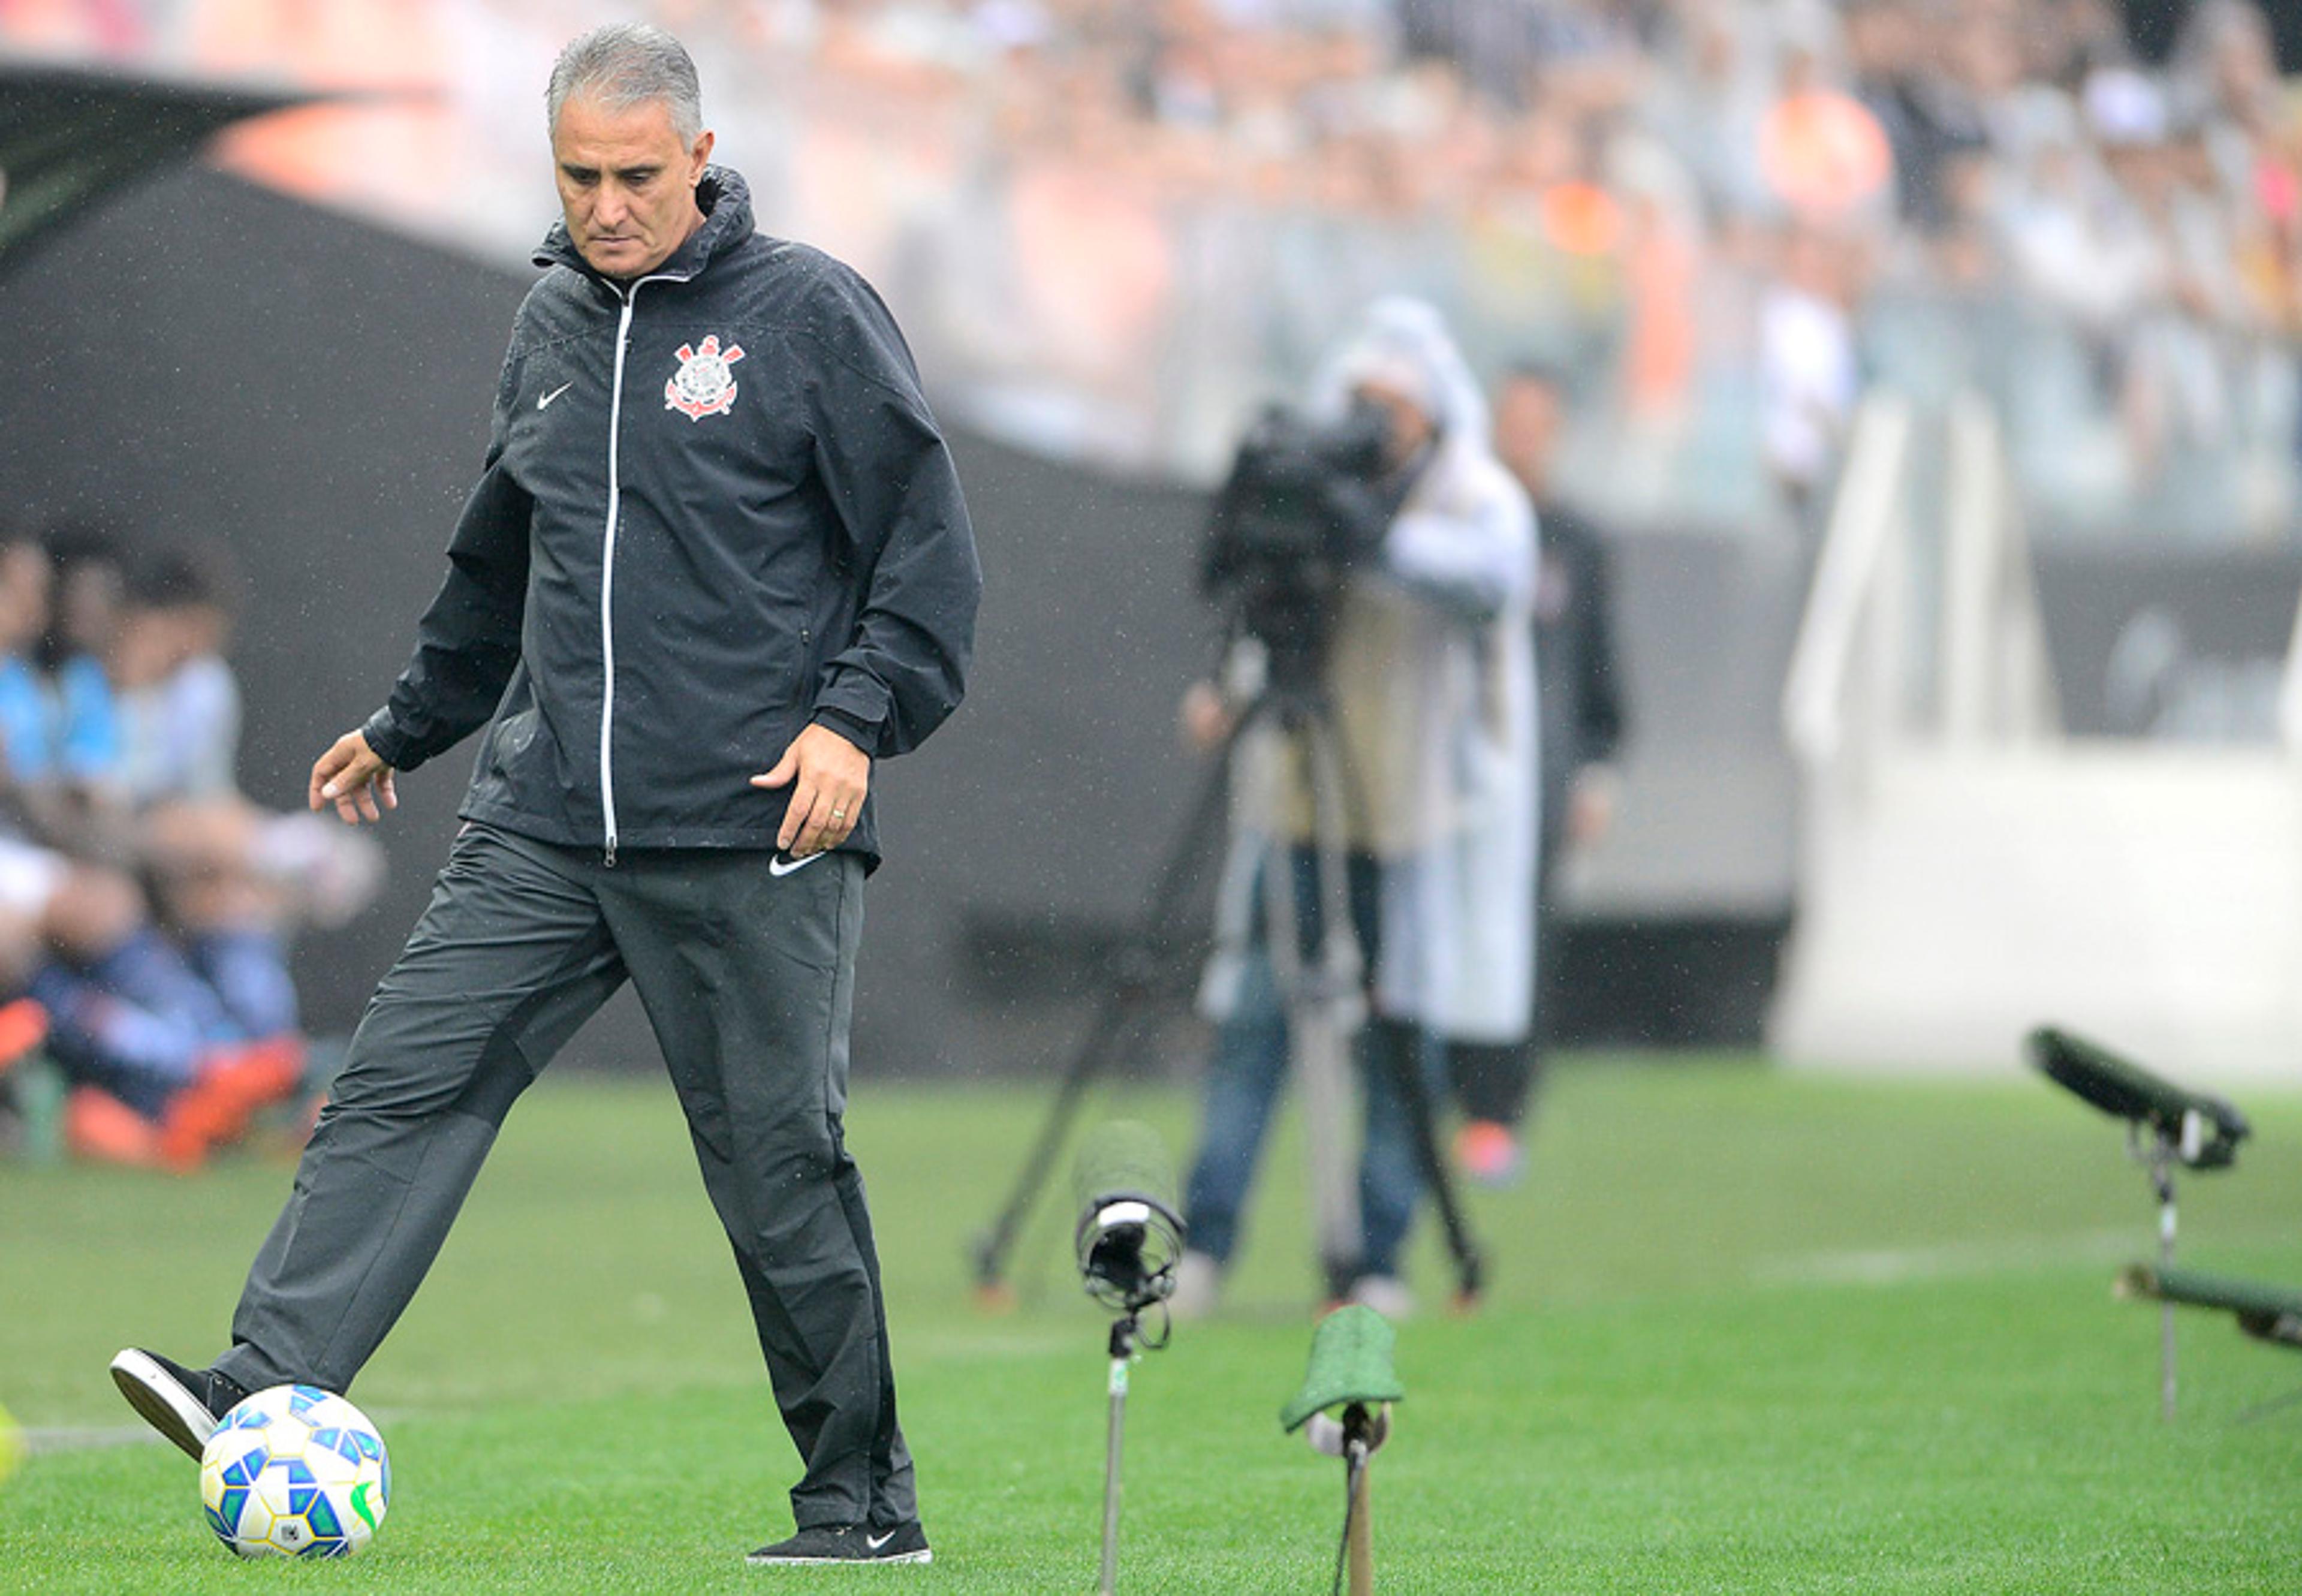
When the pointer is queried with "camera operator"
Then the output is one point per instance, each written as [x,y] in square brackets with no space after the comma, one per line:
[1424,673]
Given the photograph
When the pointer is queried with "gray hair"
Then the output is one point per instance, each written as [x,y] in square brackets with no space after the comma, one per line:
[623,64]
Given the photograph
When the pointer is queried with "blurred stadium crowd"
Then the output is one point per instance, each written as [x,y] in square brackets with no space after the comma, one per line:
[145,906]
[1114,227]
[1726,216]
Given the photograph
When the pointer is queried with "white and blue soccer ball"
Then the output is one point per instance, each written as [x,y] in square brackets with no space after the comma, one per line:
[295,1472]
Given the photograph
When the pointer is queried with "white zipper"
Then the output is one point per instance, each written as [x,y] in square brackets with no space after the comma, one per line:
[608,573]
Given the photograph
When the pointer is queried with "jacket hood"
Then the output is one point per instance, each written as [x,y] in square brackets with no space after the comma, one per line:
[724,197]
[1405,343]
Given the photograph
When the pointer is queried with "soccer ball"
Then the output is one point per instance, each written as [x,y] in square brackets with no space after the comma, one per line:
[294,1472]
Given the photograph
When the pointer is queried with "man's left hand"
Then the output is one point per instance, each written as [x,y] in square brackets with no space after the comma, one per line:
[828,777]
[1591,804]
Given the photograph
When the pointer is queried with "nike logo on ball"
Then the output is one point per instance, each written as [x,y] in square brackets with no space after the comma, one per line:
[783,864]
[544,403]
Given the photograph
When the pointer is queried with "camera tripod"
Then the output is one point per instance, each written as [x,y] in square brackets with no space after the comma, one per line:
[1321,988]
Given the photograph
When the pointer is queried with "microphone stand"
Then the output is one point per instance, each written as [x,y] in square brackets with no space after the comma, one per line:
[1127,1247]
[1124,1330]
[2159,1160]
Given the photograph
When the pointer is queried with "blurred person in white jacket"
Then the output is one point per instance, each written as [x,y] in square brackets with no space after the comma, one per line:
[1427,682]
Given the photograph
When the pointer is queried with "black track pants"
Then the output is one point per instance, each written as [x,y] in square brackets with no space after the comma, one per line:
[747,979]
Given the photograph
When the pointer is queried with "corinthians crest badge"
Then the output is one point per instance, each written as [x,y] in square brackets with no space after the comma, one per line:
[703,385]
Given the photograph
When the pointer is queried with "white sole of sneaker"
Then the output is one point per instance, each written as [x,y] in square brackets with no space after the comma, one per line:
[926,1555]
[162,1402]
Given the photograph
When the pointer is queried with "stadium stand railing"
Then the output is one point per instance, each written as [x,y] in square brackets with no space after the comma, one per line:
[1966,867]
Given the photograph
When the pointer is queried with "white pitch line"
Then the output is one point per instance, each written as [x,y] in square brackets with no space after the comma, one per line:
[85,1438]
[1895,1265]
[990,1344]
[89,1438]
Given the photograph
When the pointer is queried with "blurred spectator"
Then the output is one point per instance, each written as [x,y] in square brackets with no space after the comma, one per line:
[86,557]
[1708,100]
[1823,154]
[1580,725]
[236,880]
[178,700]
[1886,60]
[163,1073]
[1117,229]
[1807,362]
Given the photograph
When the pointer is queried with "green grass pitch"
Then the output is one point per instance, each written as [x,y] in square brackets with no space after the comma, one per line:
[1748,1332]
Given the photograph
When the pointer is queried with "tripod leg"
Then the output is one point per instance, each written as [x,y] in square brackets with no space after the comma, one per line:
[1336,1005]
[1330,779]
[1128,992]
[991,1252]
[1414,1089]
[1322,1067]
[1337,1002]
[1319,1048]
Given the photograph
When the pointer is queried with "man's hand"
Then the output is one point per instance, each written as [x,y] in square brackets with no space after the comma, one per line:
[1591,804]
[351,778]
[1205,717]
[828,777]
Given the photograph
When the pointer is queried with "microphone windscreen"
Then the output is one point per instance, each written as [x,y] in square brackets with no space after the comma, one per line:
[2195,1289]
[2206,1128]
[2103,1078]
[1123,1158]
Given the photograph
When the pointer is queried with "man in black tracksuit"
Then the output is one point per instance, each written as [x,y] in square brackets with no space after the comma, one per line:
[717,563]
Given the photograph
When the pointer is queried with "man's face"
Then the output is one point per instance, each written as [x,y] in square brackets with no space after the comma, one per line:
[1527,417]
[147,646]
[1409,430]
[87,600]
[627,183]
[24,578]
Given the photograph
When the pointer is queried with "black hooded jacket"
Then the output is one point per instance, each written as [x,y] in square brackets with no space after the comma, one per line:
[715,508]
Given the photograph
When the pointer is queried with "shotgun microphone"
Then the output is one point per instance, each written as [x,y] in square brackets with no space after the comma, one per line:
[1129,1234]
[2204,1130]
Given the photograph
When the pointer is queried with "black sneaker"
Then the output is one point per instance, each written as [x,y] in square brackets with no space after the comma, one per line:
[182,1404]
[848,1543]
